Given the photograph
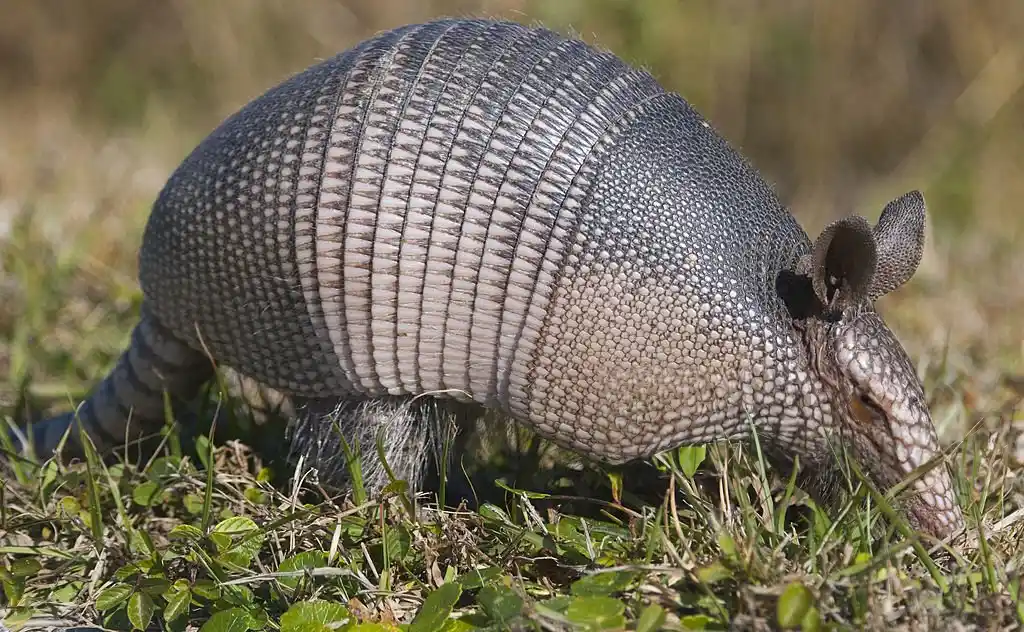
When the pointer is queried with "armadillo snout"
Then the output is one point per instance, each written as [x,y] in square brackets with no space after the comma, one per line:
[932,505]
[887,416]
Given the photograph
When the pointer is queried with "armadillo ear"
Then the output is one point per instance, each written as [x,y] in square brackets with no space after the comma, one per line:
[900,237]
[842,263]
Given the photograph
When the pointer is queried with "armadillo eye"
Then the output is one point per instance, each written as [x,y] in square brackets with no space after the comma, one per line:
[863,409]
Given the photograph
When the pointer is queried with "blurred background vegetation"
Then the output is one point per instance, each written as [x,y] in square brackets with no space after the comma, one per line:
[842,105]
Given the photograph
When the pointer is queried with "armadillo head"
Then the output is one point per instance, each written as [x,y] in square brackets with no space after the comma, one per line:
[877,399]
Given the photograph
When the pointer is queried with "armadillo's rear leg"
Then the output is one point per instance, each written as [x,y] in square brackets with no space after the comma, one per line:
[413,434]
[129,403]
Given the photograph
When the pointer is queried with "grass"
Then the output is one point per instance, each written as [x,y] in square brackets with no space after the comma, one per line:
[204,537]
[218,534]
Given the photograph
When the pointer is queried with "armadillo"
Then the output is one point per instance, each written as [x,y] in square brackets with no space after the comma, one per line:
[476,215]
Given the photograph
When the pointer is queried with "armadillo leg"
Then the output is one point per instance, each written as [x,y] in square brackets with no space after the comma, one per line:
[413,433]
[129,403]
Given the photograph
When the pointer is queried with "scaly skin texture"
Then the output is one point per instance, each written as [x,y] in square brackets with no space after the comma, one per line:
[882,417]
[505,218]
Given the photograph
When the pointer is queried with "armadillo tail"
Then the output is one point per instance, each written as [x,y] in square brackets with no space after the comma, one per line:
[129,403]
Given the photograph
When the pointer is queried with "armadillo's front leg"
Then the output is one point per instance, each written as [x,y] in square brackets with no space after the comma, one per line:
[129,403]
[412,434]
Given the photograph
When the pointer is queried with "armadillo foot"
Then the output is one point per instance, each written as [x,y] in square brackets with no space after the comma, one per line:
[412,434]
